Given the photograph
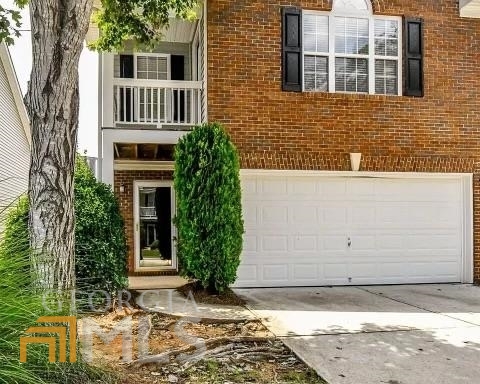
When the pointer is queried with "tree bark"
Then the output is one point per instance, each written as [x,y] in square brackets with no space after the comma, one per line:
[59,28]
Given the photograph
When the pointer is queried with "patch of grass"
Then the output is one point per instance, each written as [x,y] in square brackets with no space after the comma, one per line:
[302,376]
[201,295]
[20,307]
[209,371]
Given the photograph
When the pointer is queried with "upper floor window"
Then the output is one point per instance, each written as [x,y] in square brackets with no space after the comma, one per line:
[142,66]
[350,50]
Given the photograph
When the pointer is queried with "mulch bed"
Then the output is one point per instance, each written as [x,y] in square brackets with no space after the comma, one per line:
[201,295]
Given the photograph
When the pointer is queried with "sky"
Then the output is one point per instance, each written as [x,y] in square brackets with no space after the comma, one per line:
[88,72]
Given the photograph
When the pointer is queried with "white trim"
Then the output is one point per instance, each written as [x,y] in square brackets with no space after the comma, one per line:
[467,182]
[468,230]
[368,3]
[136,55]
[134,165]
[205,59]
[99,118]
[193,52]
[136,223]
[107,89]
[16,91]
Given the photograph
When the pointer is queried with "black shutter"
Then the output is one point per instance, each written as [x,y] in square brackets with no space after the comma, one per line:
[413,68]
[292,49]
[178,67]
[126,72]
[177,64]
[126,66]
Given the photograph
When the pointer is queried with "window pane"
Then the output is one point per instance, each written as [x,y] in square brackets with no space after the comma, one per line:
[351,35]
[386,77]
[392,47]
[315,33]
[316,73]
[362,83]
[310,42]
[386,37]
[309,33]
[152,67]
[351,75]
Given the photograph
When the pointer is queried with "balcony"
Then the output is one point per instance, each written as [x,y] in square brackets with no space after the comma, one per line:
[164,104]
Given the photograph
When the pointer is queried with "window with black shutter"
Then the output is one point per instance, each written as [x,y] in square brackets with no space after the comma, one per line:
[351,50]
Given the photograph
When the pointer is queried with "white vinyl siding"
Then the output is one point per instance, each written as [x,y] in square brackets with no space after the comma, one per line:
[354,54]
[14,153]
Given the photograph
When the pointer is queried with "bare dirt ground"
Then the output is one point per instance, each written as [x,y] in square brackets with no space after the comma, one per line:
[240,352]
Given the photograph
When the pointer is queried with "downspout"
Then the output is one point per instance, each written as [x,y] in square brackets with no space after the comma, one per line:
[100,116]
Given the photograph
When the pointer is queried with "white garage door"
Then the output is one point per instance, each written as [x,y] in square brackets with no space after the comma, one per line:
[333,230]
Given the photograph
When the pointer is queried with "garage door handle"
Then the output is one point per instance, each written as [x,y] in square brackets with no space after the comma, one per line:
[349,242]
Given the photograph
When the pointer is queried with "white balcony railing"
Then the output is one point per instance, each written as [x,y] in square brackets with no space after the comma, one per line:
[148,213]
[157,102]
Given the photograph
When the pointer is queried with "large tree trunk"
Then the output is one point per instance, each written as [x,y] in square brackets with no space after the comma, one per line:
[58,32]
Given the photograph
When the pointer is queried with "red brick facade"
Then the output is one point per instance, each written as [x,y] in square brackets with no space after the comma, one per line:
[439,132]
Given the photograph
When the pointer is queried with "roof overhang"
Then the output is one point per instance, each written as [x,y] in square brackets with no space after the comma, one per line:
[178,31]
[470,8]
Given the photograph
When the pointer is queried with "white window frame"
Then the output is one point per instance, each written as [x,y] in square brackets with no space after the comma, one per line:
[331,55]
[166,55]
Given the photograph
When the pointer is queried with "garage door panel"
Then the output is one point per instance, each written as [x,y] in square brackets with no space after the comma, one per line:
[334,189]
[401,231]
[274,215]
[298,186]
[333,215]
[275,272]
[305,272]
[275,243]
[305,243]
[274,187]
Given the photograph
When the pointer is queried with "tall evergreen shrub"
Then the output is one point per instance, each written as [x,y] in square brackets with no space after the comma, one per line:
[209,212]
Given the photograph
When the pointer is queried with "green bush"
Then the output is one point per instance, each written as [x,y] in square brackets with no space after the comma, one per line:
[209,212]
[100,243]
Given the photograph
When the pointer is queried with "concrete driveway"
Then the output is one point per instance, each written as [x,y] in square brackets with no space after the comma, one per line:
[386,334]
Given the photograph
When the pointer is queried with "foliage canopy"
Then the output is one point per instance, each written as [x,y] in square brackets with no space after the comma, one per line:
[118,20]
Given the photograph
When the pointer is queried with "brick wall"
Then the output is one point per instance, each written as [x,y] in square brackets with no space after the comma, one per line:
[126,202]
[285,130]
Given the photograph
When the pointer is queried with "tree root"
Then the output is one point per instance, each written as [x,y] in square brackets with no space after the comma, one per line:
[215,346]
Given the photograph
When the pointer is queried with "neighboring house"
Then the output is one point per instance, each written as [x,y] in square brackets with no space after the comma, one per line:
[299,86]
[15,138]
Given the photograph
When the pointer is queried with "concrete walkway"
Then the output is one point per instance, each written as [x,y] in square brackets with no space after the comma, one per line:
[391,334]
[155,282]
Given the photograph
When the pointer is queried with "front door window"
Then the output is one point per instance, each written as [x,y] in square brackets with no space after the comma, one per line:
[154,226]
